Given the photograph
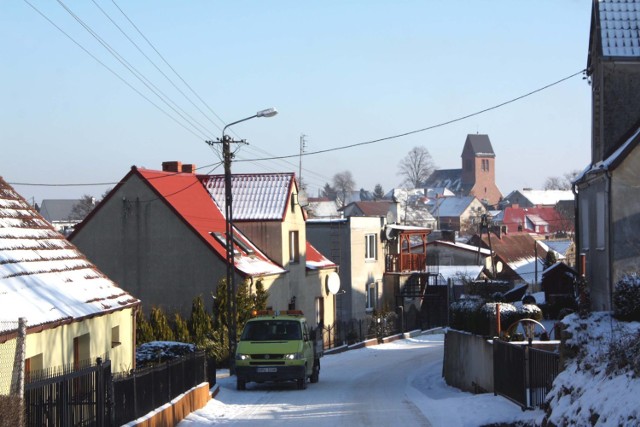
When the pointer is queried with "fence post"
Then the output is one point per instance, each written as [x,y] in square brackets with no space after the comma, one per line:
[18,367]
[99,393]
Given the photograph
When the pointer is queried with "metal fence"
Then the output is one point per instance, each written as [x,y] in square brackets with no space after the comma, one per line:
[143,390]
[357,330]
[69,397]
[523,374]
[543,369]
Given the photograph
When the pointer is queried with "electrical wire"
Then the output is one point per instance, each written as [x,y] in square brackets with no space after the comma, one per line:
[438,125]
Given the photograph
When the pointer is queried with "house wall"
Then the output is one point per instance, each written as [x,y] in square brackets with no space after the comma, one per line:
[625,216]
[317,293]
[140,243]
[449,255]
[343,243]
[596,255]
[484,186]
[616,102]
[54,347]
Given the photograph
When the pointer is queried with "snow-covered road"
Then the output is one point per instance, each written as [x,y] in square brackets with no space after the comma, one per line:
[391,384]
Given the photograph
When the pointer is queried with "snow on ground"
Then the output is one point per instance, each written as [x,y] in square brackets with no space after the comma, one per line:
[425,389]
[599,386]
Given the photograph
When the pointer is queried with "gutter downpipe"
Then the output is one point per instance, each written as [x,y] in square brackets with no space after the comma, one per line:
[576,226]
[608,230]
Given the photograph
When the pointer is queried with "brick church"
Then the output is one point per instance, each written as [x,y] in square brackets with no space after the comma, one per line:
[477,176]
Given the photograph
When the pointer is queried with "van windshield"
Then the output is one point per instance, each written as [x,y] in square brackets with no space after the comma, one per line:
[271,330]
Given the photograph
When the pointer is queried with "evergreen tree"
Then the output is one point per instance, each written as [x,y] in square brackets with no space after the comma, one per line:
[200,324]
[181,329]
[160,325]
[261,296]
[144,331]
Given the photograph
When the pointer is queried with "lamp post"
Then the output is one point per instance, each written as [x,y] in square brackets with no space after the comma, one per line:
[231,286]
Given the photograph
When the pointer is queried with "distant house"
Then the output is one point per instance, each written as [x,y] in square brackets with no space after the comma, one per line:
[59,212]
[412,207]
[380,209]
[74,313]
[544,221]
[443,253]
[608,192]
[161,234]
[477,175]
[458,213]
[528,198]
[519,257]
[322,207]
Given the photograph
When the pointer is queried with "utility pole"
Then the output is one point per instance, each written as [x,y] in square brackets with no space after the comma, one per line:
[303,145]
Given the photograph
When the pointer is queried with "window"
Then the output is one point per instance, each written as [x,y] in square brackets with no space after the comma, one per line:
[600,220]
[81,351]
[294,246]
[370,247]
[319,311]
[33,365]
[115,336]
[372,296]
[584,224]
[485,165]
[220,237]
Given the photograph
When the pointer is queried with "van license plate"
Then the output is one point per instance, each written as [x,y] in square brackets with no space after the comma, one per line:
[262,370]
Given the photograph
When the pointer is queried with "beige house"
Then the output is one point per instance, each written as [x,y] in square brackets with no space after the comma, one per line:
[73,312]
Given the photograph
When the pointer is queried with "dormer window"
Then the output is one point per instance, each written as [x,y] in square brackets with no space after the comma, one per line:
[220,237]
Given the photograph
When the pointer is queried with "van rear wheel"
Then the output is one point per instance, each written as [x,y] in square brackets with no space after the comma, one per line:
[315,375]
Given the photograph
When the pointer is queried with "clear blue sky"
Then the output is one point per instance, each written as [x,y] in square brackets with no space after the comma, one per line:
[341,72]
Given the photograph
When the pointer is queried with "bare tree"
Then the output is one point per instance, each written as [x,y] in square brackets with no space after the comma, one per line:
[416,166]
[561,183]
[343,184]
[81,209]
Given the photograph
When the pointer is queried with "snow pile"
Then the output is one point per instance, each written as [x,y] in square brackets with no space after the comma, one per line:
[600,384]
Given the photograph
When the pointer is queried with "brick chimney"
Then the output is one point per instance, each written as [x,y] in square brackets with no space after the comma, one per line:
[172,166]
[189,168]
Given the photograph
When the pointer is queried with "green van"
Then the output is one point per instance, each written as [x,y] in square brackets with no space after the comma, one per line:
[278,346]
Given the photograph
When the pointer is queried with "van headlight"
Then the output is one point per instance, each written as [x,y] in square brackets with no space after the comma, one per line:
[293,356]
[241,356]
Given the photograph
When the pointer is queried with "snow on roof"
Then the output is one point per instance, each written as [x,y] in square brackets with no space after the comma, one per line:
[619,27]
[457,272]
[449,178]
[460,245]
[43,277]
[186,194]
[323,209]
[613,159]
[255,196]
[315,260]
[537,220]
[452,206]
[546,197]
[559,246]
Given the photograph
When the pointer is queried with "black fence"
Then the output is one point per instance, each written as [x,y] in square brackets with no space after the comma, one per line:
[543,369]
[93,396]
[146,389]
[522,373]
[68,396]
[509,371]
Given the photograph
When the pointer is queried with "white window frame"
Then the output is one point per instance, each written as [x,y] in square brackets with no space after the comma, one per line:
[370,245]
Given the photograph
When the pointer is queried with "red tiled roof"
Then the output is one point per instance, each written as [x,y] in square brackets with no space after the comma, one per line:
[513,217]
[316,260]
[186,195]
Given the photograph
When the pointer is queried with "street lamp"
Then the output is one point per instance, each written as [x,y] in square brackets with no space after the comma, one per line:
[231,286]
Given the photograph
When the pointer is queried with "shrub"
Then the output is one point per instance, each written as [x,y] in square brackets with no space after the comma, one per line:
[626,298]
[508,315]
[465,314]
[529,311]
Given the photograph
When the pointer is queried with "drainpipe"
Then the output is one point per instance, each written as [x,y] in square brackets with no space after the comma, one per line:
[609,248]
[576,227]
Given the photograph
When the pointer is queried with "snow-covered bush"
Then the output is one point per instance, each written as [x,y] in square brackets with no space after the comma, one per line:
[529,311]
[626,298]
[160,351]
[465,314]
[624,355]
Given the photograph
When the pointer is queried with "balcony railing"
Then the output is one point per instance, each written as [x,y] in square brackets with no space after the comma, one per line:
[398,263]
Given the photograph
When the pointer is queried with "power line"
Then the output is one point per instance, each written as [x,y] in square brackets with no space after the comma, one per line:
[111,70]
[448,122]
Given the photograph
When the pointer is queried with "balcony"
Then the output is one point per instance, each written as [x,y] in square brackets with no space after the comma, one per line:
[398,263]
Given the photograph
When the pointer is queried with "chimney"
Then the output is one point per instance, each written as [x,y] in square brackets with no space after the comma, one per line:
[189,168]
[172,166]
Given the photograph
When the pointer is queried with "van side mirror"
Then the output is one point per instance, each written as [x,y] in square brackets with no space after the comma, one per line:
[312,334]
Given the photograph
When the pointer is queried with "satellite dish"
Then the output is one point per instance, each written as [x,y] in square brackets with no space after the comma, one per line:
[333,283]
[391,218]
[499,267]
[303,200]
[389,233]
